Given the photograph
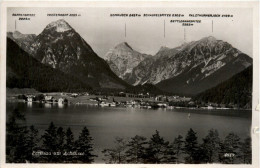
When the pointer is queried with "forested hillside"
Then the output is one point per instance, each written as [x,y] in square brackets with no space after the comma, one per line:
[23,71]
[237,90]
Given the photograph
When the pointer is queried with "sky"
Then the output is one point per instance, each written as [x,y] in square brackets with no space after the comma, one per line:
[144,34]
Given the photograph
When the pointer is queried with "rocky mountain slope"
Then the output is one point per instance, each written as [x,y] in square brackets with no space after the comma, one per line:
[24,71]
[188,69]
[192,67]
[154,69]
[23,40]
[123,58]
[61,47]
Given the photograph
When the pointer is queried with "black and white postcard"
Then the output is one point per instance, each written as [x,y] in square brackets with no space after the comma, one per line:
[126,83]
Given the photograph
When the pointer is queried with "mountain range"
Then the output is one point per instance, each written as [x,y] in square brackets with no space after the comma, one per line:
[60,47]
[188,69]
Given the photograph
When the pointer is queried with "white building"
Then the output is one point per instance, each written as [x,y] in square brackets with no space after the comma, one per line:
[62,101]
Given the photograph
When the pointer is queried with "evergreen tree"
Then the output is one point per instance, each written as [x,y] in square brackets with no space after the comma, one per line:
[60,143]
[116,154]
[69,145]
[50,138]
[191,147]
[221,152]
[20,141]
[200,156]
[136,149]
[85,146]
[50,142]
[230,148]
[178,147]
[159,150]
[110,156]
[69,140]
[170,155]
[32,143]
[16,144]
[211,146]
[246,151]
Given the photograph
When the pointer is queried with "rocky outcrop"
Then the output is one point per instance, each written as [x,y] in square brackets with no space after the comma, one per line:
[192,67]
[122,59]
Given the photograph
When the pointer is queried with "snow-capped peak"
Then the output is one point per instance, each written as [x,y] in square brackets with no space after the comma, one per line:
[61,25]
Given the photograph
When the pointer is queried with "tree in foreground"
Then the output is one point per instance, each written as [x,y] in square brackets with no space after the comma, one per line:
[20,141]
[60,138]
[60,143]
[49,139]
[159,150]
[230,149]
[32,143]
[16,143]
[178,147]
[191,147]
[69,145]
[246,151]
[211,146]
[84,145]
[136,149]
[116,154]
[110,156]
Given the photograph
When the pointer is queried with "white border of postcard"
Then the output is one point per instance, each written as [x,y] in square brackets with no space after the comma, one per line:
[254,5]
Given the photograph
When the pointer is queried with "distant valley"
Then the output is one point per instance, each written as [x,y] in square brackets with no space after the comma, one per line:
[67,62]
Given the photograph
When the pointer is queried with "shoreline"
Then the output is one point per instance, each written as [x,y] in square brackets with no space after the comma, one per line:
[117,101]
[127,106]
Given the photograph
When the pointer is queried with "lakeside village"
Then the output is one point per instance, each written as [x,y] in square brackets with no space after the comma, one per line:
[120,99]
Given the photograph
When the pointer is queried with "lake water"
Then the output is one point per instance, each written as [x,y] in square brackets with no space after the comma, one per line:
[106,123]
